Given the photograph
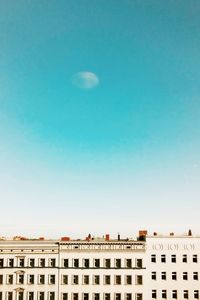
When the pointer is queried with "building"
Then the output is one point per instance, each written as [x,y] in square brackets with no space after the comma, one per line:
[150,267]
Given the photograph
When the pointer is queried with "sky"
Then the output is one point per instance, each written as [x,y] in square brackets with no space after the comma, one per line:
[99,117]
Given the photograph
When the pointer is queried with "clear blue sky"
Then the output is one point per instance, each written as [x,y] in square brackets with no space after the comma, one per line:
[112,155]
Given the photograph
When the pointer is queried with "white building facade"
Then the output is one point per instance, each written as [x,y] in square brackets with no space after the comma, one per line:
[100,269]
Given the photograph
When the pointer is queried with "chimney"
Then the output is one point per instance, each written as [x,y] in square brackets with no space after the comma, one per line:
[118,237]
[189,232]
[107,237]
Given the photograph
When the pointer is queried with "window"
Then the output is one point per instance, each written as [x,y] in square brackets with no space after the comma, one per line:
[139,279]
[20,295]
[41,295]
[1,263]
[97,263]
[128,296]
[196,294]
[139,263]
[153,275]
[185,294]
[117,296]
[52,296]
[41,279]
[86,263]
[128,279]
[107,279]
[30,295]
[118,263]
[163,258]
[173,258]
[65,263]
[10,279]
[174,276]
[117,279]
[128,263]
[52,262]
[52,279]
[153,258]
[96,296]
[31,279]
[64,296]
[76,263]
[75,279]
[195,276]
[163,275]
[174,294]
[10,296]
[42,262]
[11,262]
[139,296]
[154,294]
[21,262]
[65,279]
[96,279]
[107,263]
[85,279]
[194,258]
[20,278]
[1,297]
[32,262]
[185,276]
[164,294]
[106,296]
[85,296]
[184,258]
[75,296]
[1,279]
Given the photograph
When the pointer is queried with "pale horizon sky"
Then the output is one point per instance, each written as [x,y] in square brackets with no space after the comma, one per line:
[99,117]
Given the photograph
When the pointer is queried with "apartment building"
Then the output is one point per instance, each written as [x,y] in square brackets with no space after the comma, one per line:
[149,267]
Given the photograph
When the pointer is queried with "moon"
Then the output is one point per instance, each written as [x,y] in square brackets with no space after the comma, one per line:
[85,80]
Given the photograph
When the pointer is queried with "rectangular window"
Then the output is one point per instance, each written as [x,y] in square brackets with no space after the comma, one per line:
[173,258]
[118,263]
[1,296]
[164,294]
[21,279]
[41,279]
[86,263]
[11,262]
[128,279]
[1,279]
[75,296]
[174,276]
[139,296]
[42,262]
[174,294]
[41,295]
[117,296]
[128,296]
[1,263]
[185,294]
[76,263]
[107,263]
[96,296]
[85,279]
[21,262]
[195,276]
[51,295]
[75,279]
[65,263]
[96,279]
[65,296]
[163,258]
[196,294]
[85,296]
[107,296]
[52,262]
[9,296]
[194,258]
[97,263]
[20,295]
[65,279]
[153,275]
[154,294]
[153,258]
[139,279]
[32,262]
[10,279]
[117,279]
[128,263]
[139,263]
[163,275]
[31,279]
[184,258]
[52,279]
[185,276]
[30,295]
[107,279]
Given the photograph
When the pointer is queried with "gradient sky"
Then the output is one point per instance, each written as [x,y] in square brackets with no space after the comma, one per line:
[116,157]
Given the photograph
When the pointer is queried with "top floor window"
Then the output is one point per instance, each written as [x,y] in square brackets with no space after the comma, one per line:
[52,262]
[184,258]
[128,263]
[107,263]
[173,258]
[86,263]
[194,258]
[163,258]
[97,263]
[118,263]
[153,258]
